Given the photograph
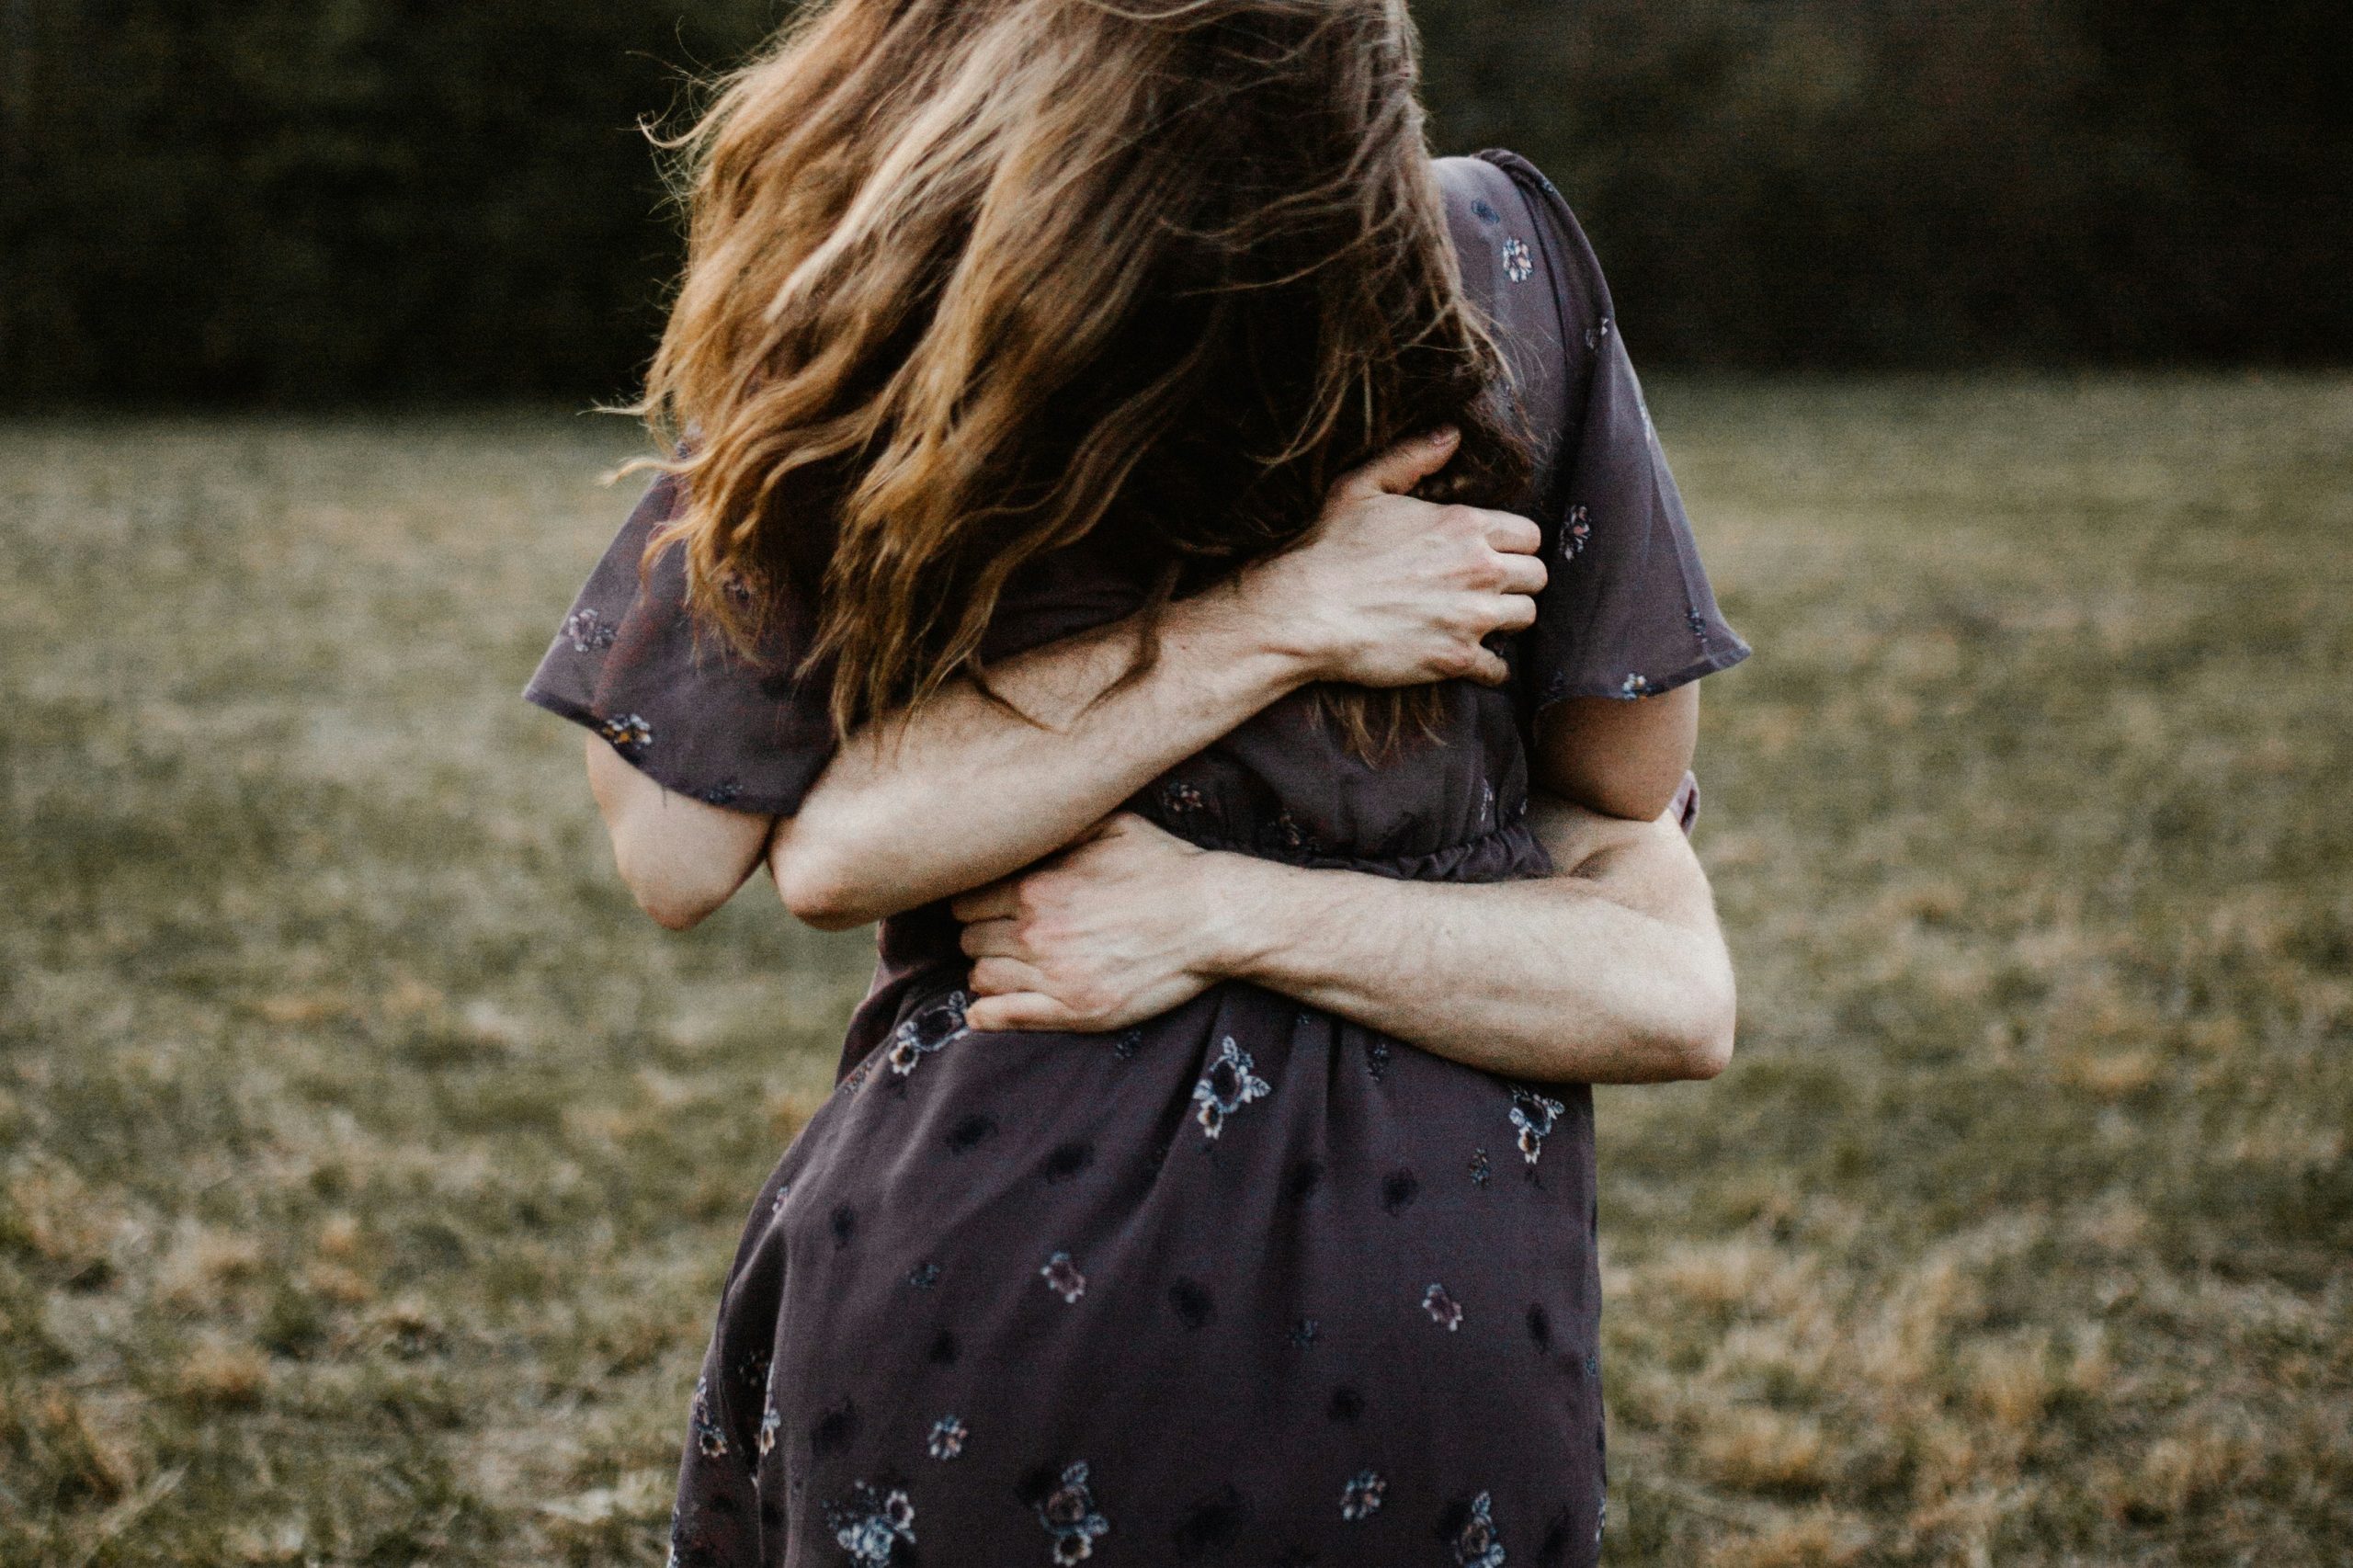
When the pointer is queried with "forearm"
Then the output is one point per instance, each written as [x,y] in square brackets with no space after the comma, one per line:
[1611,971]
[919,807]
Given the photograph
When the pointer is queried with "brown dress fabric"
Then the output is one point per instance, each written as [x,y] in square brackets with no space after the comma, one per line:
[1247,1283]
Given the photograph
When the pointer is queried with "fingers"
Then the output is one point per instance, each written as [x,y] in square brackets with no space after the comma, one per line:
[1403,466]
[1487,668]
[994,902]
[1020,1010]
[999,976]
[1515,612]
[1510,532]
[997,938]
[1522,574]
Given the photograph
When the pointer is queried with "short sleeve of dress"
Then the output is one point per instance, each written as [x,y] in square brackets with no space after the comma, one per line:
[1626,609]
[686,710]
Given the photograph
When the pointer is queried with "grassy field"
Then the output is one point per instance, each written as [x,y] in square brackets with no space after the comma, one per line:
[367,1164]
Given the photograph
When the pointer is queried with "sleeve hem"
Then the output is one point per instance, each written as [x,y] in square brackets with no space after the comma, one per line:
[750,802]
[1624,691]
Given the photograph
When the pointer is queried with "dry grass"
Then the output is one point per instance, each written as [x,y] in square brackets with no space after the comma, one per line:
[367,1165]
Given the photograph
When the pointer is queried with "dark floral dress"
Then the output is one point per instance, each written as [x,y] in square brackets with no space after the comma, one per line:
[1249,1282]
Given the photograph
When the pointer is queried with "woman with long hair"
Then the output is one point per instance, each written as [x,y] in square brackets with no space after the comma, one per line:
[1200,573]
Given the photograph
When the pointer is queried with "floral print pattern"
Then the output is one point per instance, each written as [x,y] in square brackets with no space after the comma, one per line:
[870,1525]
[627,734]
[1226,1087]
[1478,1544]
[1360,1499]
[1532,1115]
[1063,1277]
[587,632]
[1071,1518]
[927,1029]
[1576,532]
[947,1439]
[710,1437]
[1517,265]
[1444,1310]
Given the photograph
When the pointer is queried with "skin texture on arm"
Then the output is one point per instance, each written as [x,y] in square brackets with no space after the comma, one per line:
[1622,758]
[1610,971]
[1388,590]
[679,857]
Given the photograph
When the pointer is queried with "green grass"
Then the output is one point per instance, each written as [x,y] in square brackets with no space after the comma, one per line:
[367,1164]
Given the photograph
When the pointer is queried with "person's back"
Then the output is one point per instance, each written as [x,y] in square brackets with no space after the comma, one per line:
[1246,1274]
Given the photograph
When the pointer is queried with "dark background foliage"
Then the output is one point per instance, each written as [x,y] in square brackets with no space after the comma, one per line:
[315,200]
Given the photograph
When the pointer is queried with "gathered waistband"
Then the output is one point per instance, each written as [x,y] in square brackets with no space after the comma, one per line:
[1500,855]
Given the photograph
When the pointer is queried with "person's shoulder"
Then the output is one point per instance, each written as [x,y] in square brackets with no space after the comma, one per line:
[1496,178]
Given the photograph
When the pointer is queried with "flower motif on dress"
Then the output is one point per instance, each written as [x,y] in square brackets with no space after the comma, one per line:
[1696,622]
[1597,333]
[1284,836]
[1069,1515]
[1126,1043]
[1517,265]
[1486,213]
[1479,1170]
[870,1524]
[946,1438]
[1360,1499]
[1443,1309]
[1180,799]
[710,1439]
[926,1029]
[924,1276]
[628,733]
[1305,1333]
[1533,1115]
[1063,1277]
[1634,685]
[726,792]
[586,631]
[1226,1087]
[1576,532]
[1376,1058]
[771,1419]
[1478,1544]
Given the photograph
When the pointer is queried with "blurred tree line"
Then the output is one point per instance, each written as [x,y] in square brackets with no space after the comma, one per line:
[289,201]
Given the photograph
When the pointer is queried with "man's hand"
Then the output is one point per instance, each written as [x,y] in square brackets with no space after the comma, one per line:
[1116,928]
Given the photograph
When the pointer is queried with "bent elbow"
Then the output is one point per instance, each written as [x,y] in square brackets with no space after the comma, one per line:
[1705,1049]
[818,894]
[671,906]
[673,903]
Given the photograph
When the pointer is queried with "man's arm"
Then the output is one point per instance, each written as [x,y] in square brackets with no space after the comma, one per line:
[1613,970]
[1389,590]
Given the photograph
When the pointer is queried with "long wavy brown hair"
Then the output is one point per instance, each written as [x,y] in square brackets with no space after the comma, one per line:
[972,280]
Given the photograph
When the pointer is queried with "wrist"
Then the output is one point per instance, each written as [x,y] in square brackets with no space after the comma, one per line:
[1269,611]
[1242,902]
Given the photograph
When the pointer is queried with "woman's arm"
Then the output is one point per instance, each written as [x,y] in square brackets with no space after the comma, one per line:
[1610,971]
[679,857]
[1625,758]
